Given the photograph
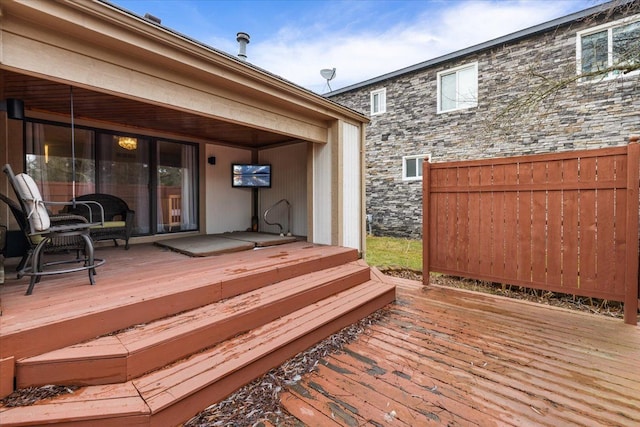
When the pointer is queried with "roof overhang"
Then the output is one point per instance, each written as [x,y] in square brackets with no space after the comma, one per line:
[128,71]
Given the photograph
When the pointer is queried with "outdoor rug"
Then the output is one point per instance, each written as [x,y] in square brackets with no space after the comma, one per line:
[259,239]
[215,244]
[199,246]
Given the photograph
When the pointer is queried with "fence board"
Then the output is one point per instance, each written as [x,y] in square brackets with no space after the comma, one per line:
[588,260]
[632,290]
[511,224]
[462,260]
[539,226]
[484,231]
[571,219]
[525,225]
[565,222]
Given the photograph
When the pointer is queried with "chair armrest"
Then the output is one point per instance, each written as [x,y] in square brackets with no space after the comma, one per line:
[66,218]
[86,204]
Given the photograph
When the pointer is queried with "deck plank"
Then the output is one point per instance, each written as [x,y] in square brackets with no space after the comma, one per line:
[313,407]
[424,392]
[382,404]
[90,406]
[302,409]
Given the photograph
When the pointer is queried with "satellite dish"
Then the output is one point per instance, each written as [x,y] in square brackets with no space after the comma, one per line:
[328,74]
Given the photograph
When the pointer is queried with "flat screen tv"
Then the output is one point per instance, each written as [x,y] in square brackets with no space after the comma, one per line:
[250,176]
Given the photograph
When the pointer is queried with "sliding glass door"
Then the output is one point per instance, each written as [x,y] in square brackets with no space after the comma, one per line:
[123,170]
[157,178]
[176,190]
[49,161]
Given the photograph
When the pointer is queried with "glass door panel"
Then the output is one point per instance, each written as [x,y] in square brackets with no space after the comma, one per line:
[49,161]
[177,172]
[123,171]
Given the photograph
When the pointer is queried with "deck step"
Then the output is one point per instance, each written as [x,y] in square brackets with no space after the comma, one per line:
[126,355]
[174,394]
[132,293]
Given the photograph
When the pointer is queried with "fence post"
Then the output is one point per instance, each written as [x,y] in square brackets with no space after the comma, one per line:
[631,280]
[426,196]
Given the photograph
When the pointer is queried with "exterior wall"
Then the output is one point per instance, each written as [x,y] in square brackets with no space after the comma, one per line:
[322,194]
[222,200]
[289,181]
[351,185]
[582,115]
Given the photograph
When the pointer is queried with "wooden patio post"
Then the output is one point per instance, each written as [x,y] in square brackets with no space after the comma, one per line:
[426,196]
[633,183]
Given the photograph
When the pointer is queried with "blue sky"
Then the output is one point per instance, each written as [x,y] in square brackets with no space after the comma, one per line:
[362,39]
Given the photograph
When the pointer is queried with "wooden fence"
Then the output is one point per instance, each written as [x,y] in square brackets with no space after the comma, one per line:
[564,222]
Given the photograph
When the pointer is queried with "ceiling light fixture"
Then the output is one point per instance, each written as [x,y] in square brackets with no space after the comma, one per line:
[128,143]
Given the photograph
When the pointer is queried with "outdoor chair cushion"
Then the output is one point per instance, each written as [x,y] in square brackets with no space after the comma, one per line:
[38,216]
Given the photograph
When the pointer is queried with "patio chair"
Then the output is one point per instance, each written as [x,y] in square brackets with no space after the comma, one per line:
[22,243]
[45,232]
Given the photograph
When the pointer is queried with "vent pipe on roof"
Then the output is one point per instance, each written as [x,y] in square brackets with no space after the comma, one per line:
[152,18]
[243,41]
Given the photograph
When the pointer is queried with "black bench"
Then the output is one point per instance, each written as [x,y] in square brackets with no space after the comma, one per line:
[118,218]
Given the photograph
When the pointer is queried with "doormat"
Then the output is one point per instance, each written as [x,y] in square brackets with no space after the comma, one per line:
[201,246]
[259,239]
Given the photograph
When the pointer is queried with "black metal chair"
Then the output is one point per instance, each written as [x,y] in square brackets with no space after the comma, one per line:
[118,218]
[46,232]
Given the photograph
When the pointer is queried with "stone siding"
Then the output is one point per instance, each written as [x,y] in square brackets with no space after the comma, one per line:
[578,116]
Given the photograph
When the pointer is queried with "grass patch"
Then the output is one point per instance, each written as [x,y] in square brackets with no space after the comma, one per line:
[394,252]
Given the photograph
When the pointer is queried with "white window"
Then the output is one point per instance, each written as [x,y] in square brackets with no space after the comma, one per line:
[458,88]
[378,101]
[600,49]
[412,167]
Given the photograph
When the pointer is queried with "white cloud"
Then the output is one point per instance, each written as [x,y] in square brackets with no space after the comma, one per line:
[298,54]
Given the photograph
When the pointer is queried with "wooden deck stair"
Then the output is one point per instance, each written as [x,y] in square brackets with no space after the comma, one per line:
[125,355]
[165,371]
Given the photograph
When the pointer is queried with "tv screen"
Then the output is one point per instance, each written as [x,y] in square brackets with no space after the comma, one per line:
[251,176]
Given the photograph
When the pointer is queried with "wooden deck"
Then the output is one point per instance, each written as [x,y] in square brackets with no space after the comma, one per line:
[451,357]
[161,336]
[130,280]
[442,356]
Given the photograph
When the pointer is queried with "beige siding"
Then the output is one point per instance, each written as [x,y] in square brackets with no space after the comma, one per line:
[351,187]
[227,209]
[289,181]
[322,200]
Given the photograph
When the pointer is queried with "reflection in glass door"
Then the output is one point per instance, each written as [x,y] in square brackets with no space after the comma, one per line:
[123,170]
[176,187]
[161,187]
[49,161]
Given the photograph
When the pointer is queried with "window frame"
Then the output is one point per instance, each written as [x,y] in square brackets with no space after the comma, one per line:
[456,71]
[382,93]
[608,27]
[424,157]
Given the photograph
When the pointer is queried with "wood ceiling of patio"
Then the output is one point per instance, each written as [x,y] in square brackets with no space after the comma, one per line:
[52,97]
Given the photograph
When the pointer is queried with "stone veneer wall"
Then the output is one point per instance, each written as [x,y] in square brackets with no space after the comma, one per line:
[580,116]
